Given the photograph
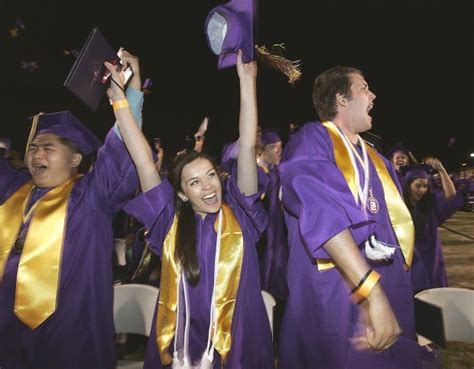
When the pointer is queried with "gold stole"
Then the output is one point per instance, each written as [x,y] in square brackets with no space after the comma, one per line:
[398,212]
[40,261]
[227,285]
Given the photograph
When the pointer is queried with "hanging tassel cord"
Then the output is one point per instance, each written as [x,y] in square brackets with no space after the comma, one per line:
[291,69]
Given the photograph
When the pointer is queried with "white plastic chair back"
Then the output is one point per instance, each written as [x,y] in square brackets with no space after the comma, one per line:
[134,307]
[120,246]
[457,305]
[269,302]
[134,310]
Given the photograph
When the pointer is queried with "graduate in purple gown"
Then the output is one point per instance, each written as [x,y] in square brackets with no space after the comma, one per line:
[430,209]
[275,251]
[273,247]
[210,312]
[56,245]
[400,157]
[350,303]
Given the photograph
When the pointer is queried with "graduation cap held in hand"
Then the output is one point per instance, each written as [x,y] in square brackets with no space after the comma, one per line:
[232,26]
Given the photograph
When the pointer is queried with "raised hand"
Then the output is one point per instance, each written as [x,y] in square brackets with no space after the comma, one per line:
[116,90]
[246,70]
[202,129]
[132,61]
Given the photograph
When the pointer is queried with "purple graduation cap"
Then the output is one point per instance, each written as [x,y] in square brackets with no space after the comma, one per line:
[397,147]
[413,172]
[66,125]
[269,136]
[230,27]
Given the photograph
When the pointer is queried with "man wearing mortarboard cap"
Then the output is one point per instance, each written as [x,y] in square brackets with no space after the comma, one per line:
[56,245]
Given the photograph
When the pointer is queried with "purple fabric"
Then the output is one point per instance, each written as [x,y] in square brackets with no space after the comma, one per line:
[229,155]
[251,336]
[80,333]
[429,269]
[275,253]
[319,317]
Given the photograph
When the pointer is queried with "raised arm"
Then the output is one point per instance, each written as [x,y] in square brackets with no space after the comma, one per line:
[247,179]
[136,143]
[448,186]
[199,136]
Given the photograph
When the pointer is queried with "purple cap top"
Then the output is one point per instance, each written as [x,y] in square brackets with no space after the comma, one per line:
[395,148]
[416,171]
[269,136]
[230,27]
[66,125]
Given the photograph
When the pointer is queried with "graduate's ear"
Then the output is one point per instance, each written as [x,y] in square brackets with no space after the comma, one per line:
[182,196]
[341,100]
[76,160]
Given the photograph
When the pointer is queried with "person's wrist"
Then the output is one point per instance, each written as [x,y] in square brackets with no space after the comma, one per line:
[120,104]
[375,292]
[117,98]
[366,286]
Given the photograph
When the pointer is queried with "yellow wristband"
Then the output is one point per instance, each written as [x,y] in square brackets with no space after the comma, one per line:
[120,104]
[363,291]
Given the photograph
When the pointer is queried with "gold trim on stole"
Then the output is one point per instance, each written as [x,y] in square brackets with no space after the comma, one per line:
[226,288]
[40,261]
[398,212]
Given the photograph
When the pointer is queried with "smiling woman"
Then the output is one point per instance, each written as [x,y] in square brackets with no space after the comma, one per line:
[429,207]
[210,312]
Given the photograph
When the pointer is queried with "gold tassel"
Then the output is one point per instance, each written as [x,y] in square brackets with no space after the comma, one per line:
[412,158]
[34,126]
[275,60]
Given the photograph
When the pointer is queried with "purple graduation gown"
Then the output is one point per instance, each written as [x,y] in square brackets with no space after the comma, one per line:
[275,253]
[273,246]
[251,335]
[428,268]
[319,317]
[80,333]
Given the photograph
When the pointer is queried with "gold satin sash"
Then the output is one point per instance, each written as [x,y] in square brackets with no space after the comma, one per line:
[226,288]
[399,215]
[397,210]
[40,261]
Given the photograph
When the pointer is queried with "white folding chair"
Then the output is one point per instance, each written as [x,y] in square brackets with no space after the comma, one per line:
[270,303]
[134,307]
[457,305]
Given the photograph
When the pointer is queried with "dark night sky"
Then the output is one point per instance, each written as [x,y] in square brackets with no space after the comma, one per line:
[417,56]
